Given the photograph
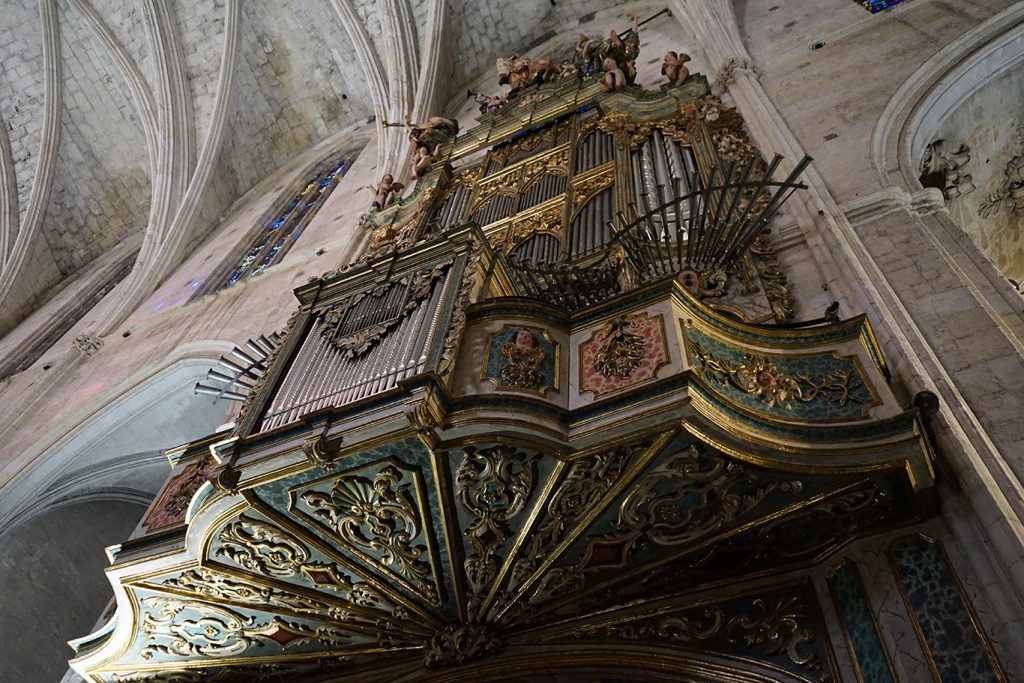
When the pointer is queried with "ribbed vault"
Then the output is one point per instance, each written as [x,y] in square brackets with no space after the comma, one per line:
[151,118]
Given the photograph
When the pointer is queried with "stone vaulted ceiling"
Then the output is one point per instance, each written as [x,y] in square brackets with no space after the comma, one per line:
[143,121]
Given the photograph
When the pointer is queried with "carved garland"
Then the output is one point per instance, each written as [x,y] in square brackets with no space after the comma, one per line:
[760,377]
[450,348]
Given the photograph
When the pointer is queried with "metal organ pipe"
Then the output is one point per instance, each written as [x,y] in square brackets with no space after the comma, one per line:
[320,376]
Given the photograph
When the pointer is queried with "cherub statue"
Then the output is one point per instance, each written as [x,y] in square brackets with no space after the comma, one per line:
[385,194]
[519,71]
[613,78]
[488,103]
[673,67]
[421,161]
[568,68]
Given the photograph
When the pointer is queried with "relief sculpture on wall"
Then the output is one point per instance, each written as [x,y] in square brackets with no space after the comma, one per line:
[521,359]
[627,351]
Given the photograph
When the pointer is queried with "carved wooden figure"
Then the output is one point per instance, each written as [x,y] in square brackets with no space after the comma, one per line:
[673,67]
[385,194]
[614,78]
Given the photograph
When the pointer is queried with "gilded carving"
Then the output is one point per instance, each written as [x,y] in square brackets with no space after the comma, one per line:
[548,220]
[417,290]
[588,481]
[779,624]
[458,643]
[220,632]
[493,486]
[207,583]
[588,188]
[773,279]
[759,376]
[517,178]
[622,351]
[176,496]
[654,503]
[450,349]
[622,128]
[263,548]
[683,498]
[523,358]
[629,350]
[378,517]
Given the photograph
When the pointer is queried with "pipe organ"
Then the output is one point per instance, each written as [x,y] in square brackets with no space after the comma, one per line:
[548,398]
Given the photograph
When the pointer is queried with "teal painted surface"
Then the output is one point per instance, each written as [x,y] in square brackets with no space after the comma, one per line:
[855,611]
[412,460]
[827,387]
[945,622]
[496,362]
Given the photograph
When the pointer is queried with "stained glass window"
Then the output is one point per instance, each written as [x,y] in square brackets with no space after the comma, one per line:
[285,226]
[877,5]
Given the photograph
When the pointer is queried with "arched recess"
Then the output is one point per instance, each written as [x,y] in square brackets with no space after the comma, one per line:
[51,570]
[613,663]
[89,490]
[954,125]
[118,443]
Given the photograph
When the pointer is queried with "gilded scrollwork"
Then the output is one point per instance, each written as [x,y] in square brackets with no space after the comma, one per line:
[683,498]
[220,632]
[759,376]
[588,480]
[379,517]
[470,276]
[523,357]
[207,583]
[417,288]
[773,279]
[588,188]
[549,220]
[672,504]
[458,643]
[265,549]
[778,624]
[493,486]
[518,177]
